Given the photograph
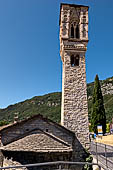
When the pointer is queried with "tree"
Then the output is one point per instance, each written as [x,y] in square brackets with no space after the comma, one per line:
[98,116]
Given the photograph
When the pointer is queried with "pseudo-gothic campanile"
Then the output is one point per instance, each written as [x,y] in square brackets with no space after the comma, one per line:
[73,45]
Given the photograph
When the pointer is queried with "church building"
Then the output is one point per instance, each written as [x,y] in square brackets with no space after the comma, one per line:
[38,139]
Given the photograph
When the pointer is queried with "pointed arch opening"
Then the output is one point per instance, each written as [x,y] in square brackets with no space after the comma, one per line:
[72,31]
[77,32]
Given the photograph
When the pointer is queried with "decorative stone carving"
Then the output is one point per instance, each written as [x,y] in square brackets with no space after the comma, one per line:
[74,15]
[64,29]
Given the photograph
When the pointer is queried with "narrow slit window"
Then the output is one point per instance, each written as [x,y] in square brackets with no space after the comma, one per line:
[84,31]
[84,12]
[46,130]
[72,31]
[77,32]
[84,19]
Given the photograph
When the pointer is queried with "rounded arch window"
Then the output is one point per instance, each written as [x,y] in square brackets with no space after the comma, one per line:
[75,60]
[74,31]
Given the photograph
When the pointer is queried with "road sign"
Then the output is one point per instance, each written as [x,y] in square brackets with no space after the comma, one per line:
[100,132]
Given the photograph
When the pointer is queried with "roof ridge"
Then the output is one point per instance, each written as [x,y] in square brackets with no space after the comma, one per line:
[58,139]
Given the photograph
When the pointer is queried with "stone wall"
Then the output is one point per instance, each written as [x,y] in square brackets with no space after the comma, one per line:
[15,159]
[1,158]
[21,129]
[75,98]
[73,14]
[74,114]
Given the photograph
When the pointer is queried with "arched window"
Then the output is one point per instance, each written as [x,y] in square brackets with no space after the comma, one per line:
[77,32]
[77,60]
[72,31]
[74,60]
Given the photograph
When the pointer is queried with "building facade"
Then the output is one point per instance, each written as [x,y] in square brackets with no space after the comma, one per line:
[73,46]
[35,140]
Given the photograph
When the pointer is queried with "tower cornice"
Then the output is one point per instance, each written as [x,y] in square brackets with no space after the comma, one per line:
[75,40]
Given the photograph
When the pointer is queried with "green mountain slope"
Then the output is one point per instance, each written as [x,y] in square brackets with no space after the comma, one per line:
[49,105]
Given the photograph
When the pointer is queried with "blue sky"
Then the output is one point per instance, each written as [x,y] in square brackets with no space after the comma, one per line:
[30,63]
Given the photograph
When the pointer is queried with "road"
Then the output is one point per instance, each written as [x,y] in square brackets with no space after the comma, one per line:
[103,153]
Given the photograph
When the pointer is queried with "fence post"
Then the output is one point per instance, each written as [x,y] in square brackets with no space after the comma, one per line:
[60,167]
[99,167]
[106,155]
[96,153]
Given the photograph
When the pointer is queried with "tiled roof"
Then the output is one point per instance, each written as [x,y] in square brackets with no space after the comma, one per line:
[6,126]
[38,141]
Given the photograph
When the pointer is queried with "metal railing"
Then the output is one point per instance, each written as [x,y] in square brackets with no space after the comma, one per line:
[59,165]
[103,154]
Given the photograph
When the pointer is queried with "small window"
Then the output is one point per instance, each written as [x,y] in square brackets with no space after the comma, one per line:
[46,130]
[74,60]
[72,31]
[84,19]
[84,12]
[77,32]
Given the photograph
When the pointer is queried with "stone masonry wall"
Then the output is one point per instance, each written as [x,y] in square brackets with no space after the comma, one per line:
[1,158]
[15,159]
[75,111]
[74,114]
[13,133]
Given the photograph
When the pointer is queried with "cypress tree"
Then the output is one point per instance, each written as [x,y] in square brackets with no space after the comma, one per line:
[98,116]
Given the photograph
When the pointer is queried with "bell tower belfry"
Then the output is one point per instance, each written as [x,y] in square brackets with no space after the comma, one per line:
[73,45]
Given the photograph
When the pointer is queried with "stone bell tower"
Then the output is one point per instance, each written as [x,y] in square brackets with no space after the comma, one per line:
[73,45]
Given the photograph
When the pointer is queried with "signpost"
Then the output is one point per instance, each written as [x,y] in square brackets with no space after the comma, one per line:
[100,132]
[111,127]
